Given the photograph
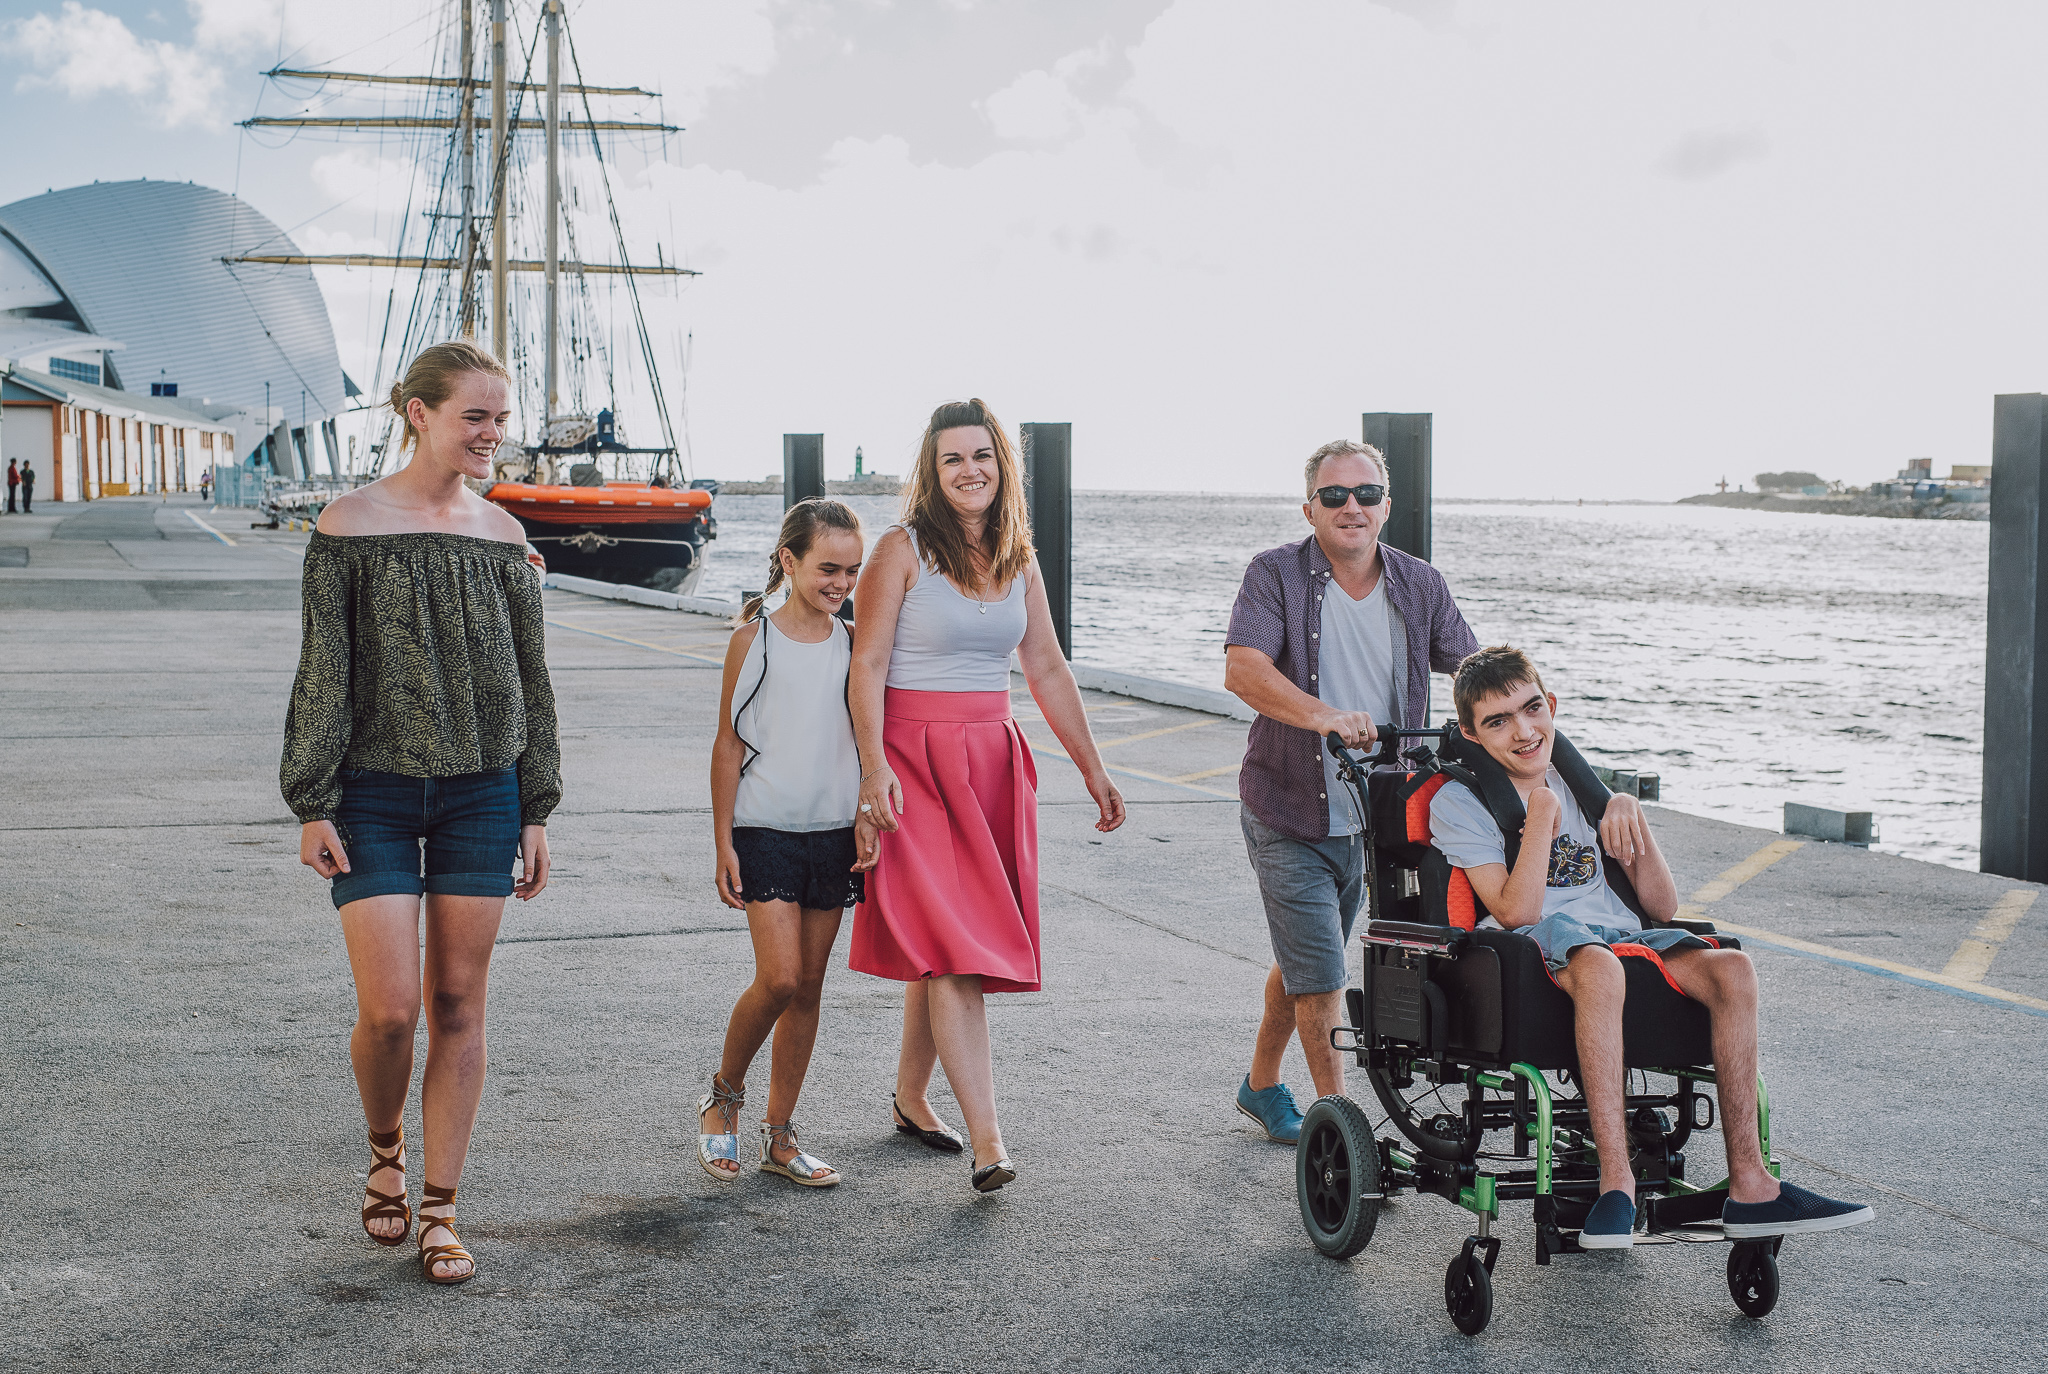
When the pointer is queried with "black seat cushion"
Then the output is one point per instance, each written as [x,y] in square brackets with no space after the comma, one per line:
[1505,1008]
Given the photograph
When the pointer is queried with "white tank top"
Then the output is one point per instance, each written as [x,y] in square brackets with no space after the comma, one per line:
[790,703]
[947,641]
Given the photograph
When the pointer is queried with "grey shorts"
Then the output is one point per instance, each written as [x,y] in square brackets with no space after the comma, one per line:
[1312,891]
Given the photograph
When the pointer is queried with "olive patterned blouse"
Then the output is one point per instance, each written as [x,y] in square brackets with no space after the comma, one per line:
[424,655]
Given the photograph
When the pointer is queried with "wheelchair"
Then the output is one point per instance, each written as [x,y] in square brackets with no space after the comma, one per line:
[1464,1035]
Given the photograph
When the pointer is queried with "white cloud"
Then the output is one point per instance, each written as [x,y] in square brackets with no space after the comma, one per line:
[86,53]
[228,25]
[1704,153]
[1043,105]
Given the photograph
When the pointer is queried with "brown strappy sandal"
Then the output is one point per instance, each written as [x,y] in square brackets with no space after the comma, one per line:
[386,1147]
[431,1255]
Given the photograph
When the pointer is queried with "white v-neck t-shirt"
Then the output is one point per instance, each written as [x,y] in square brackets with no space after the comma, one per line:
[1355,672]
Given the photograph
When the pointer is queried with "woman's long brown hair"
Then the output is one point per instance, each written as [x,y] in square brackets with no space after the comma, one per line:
[1005,538]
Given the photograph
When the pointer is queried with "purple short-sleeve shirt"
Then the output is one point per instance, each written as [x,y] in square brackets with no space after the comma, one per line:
[1279,613]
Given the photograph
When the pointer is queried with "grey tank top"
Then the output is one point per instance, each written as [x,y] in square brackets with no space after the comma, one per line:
[947,641]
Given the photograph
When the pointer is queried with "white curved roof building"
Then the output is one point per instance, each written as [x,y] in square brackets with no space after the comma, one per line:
[137,265]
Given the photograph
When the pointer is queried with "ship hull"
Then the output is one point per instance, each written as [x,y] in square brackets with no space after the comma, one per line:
[623,533]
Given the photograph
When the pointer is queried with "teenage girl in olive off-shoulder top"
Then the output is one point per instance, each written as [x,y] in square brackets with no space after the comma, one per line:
[420,753]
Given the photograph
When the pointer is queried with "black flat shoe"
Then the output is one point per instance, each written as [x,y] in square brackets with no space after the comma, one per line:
[944,1138]
[990,1177]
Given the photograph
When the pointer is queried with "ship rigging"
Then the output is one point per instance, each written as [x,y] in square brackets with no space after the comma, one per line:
[595,504]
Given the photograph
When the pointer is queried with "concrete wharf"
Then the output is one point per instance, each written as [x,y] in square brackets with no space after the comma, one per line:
[185,1148]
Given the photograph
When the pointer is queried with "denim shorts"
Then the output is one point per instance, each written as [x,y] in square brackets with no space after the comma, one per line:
[1312,891]
[1557,935]
[465,829]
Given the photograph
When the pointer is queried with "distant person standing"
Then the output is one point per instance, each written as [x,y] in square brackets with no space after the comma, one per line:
[422,719]
[13,481]
[28,488]
[952,903]
[206,484]
[1329,636]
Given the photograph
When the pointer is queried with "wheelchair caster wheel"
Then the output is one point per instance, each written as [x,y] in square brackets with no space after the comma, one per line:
[1468,1293]
[1753,1278]
[1337,1177]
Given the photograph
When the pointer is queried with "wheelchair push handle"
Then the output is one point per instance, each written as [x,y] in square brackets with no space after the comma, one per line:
[1383,736]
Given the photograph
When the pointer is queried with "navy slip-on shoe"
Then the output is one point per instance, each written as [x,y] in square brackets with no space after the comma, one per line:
[1795,1211]
[1273,1108]
[1611,1225]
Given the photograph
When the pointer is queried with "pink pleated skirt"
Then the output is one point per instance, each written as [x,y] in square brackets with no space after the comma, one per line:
[956,890]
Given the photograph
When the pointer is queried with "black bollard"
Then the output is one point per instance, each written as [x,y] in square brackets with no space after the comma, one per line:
[803,468]
[1049,493]
[2014,839]
[1404,439]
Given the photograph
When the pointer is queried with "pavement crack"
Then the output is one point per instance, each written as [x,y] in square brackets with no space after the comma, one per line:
[1921,1203]
[620,935]
[1159,926]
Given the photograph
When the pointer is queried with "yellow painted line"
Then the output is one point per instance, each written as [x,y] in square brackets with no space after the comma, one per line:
[1152,734]
[1209,773]
[1972,959]
[1055,752]
[1735,877]
[1874,965]
[193,516]
[1776,850]
[637,643]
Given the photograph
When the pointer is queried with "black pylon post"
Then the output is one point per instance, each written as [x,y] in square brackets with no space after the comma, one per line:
[2014,839]
[1049,492]
[803,468]
[1405,440]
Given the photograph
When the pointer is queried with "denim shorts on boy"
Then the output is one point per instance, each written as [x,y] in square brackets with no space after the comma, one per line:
[1312,890]
[812,868]
[464,830]
[1558,934]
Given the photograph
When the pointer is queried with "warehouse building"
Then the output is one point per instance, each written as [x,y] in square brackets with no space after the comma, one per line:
[134,352]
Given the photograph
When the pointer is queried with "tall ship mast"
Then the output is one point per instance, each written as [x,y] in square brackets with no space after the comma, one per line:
[594,504]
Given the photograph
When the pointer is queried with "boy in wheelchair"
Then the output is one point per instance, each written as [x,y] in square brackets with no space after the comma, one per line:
[1555,890]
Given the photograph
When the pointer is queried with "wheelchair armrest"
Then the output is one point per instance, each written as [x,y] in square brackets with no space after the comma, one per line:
[1691,927]
[1434,939]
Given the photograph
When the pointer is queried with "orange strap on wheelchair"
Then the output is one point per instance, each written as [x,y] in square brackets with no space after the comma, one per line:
[1418,809]
[1645,952]
[1459,903]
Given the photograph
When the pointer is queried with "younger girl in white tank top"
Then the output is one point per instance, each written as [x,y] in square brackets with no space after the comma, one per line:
[785,781]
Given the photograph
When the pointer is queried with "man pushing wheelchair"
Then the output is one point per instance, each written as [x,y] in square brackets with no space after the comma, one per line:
[1555,891]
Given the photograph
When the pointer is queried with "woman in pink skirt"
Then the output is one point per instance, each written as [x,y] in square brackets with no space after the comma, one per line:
[952,903]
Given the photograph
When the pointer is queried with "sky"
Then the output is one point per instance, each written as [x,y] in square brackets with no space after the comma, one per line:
[1618,250]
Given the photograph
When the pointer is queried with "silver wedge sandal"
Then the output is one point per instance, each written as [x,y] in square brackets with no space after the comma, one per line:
[726,1145]
[805,1169]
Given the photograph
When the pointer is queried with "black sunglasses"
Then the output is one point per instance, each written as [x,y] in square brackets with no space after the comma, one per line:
[1368,495]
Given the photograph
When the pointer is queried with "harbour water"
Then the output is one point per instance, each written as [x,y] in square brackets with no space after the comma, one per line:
[1748,657]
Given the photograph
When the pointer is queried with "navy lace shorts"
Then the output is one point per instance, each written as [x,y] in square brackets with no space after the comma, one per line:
[463,831]
[811,868]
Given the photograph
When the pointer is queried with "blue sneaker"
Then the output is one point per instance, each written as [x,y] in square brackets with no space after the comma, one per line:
[1794,1212]
[1273,1108]
[1611,1225]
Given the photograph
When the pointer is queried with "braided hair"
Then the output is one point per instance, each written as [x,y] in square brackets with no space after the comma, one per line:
[800,526]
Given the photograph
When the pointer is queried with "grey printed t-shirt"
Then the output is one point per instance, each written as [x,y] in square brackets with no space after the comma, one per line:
[1357,674]
[1462,827]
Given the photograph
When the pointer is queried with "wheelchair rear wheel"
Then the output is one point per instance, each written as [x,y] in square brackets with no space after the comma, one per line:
[1337,1177]
[1468,1293]
[1753,1277]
